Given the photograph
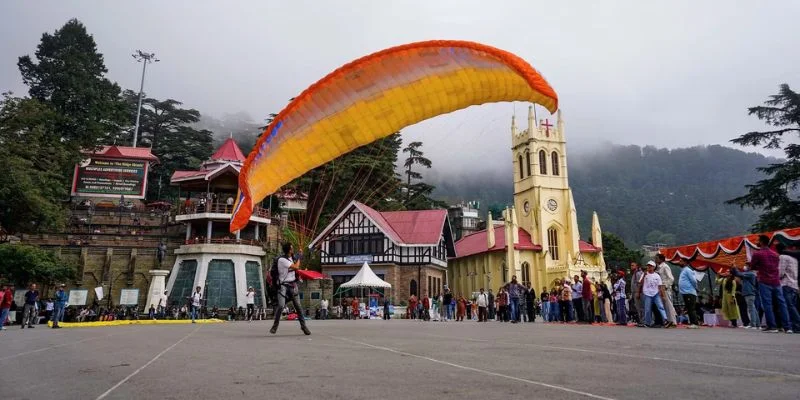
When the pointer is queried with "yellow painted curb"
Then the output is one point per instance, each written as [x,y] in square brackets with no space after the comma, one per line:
[134,322]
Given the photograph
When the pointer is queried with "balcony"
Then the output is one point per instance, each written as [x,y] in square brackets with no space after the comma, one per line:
[217,211]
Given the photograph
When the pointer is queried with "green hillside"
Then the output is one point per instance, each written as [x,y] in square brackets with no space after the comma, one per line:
[643,194]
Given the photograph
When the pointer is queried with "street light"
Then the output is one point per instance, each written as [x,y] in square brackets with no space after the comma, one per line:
[144,58]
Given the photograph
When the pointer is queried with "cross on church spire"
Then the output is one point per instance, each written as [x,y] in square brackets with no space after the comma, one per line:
[547,126]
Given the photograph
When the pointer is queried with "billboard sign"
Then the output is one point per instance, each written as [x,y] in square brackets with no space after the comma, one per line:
[103,177]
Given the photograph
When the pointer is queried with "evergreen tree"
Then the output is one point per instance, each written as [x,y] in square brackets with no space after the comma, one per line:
[69,77]
[166,127]
[33,183]
[616,254]
[417,195]
[776,195]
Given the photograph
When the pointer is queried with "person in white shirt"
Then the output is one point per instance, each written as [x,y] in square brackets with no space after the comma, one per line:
[323,309]
[667,279]
[483,302]
[197,296]
[162,305]
[288,288]
[251,303]
[653,290]
[787,270]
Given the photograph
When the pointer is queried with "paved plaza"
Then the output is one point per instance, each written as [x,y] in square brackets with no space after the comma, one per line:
[396,359]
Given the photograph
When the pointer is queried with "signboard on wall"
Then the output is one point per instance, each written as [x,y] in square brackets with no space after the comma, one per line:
[103,177]
[358,259]
[129,297]
[77,297]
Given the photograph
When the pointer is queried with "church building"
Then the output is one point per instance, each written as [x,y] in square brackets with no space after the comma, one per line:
[538,239]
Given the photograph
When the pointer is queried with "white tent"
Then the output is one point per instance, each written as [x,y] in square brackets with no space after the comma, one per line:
[365,278]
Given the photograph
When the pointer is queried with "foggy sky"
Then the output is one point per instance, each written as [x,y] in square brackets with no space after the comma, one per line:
[677,74]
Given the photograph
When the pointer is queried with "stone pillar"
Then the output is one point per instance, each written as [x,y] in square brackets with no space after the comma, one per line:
[256,232]
[188,231]
[157,286]
[208,232]
[238,234]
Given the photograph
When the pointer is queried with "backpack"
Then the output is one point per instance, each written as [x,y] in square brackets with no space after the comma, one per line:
[273,282]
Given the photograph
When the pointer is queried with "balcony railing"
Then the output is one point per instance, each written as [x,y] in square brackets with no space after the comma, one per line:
[219,208]
[249,242]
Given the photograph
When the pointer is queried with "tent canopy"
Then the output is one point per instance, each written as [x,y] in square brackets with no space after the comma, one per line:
[365,278]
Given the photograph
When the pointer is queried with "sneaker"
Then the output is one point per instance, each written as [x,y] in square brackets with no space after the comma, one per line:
[306,331]
[789,331]
[769,330]
[273,330]
[31,326]
[692,327]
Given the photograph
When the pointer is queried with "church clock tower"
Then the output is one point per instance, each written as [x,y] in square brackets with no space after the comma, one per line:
[542,196]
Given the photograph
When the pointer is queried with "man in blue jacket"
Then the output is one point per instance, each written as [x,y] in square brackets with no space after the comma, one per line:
[687,286]
[61,302]
[750,293]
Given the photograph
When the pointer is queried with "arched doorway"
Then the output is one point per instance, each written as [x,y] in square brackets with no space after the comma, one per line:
[412,288]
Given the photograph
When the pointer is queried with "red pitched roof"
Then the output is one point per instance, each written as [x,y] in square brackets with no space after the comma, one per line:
[476,243]
[138,153]
[417,227]
[229,151]
[586,247]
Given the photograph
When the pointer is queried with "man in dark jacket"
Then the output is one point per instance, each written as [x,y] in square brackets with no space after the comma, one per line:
[491,305]
[530,296]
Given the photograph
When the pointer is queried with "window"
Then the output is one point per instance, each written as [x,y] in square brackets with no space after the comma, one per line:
[542,162]
[552,243]
[521,167]
[184,282]
[528,161]
[412,287]
[251,271]
[526,273]
[221,284]
[554,156]
[357,245]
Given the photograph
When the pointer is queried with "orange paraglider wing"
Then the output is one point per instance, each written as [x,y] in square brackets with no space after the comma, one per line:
[375,96]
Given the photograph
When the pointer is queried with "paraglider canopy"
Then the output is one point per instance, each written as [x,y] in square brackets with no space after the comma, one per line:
[375,96]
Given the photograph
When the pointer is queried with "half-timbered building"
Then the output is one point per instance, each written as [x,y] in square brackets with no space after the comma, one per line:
[408,249]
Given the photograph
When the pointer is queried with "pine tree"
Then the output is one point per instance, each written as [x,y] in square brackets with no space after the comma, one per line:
[69,77]
[776,195]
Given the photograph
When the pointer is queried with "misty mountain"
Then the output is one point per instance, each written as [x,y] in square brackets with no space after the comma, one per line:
[642,194]
[240,126]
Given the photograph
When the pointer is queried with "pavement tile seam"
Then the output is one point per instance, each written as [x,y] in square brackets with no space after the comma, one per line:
[617,354]
[134,373]
[481,371]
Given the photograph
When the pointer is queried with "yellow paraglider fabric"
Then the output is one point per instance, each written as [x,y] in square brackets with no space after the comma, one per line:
[378,95]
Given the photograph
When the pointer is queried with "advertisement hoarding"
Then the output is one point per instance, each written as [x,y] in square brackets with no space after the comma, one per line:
[104,177]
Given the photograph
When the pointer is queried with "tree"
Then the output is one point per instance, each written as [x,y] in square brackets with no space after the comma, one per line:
[22,264]
[616,254]
[33,182]
[776,195]
[417,195]
[165,127]
[69,78]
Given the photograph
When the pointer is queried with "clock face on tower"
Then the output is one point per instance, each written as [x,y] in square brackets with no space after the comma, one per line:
[526,207]
[552,205]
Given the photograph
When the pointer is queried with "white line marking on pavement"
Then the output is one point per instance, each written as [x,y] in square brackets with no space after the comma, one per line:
[54,347]
[608,353]
[107,392]
[490,373]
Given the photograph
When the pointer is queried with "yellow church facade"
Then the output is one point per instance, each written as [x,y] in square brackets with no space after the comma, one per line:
[538,238]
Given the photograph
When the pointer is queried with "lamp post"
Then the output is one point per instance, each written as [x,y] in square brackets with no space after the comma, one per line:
[144,58]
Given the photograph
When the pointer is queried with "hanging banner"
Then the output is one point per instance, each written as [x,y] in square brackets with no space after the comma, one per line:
[98,291]
[129,297]
[77,297]
[100,177]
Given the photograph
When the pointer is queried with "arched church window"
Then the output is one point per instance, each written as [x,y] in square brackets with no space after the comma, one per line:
[556,170]
[552,243]
[521,167]
[526,273]
[542,162]
[528,161]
